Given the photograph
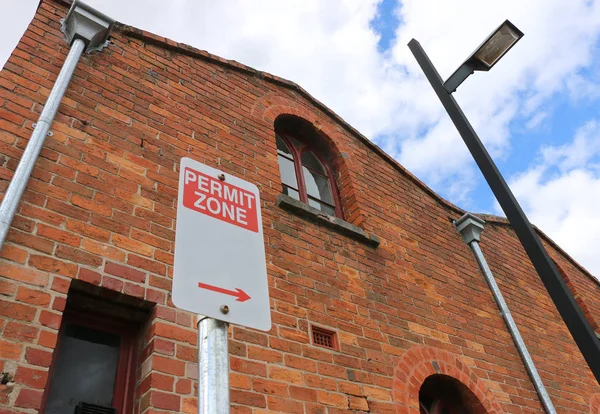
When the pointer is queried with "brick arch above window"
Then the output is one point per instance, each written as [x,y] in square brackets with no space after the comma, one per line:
[420,362]
[272,105]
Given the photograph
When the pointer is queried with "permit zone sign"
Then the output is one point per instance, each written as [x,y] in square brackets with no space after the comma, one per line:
[220,269]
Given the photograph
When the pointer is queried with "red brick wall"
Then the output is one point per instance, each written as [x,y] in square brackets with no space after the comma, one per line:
[101,208]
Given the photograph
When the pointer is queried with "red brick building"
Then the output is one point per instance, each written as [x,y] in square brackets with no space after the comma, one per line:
[378,305]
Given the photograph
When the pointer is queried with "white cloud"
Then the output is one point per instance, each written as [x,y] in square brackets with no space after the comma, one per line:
[579,153]
[536,120]
[14,19]
[561,194]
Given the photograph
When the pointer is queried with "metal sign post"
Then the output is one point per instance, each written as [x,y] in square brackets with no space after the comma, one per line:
[220,270]
[213,366]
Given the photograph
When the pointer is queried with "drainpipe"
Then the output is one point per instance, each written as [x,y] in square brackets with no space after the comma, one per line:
[470,228]
[86,30]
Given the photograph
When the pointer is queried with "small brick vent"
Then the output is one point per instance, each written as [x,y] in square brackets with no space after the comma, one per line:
[85,408]
[324,337]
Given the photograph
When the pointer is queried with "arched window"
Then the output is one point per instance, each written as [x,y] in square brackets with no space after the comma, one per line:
[441,394]
[305,174]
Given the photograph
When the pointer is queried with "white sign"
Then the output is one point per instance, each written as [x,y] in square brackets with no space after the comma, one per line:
[220,269]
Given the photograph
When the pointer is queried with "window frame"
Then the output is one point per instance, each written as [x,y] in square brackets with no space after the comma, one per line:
[123,393]
[297,152]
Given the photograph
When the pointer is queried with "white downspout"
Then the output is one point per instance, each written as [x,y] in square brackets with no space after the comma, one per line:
[470,228]
[86,30]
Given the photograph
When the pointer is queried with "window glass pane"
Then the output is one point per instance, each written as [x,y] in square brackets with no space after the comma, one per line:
[288,173]
[328,209]
[310,160]
[283,149]
[321,206]
[317,185]
[85,370]
[291,192]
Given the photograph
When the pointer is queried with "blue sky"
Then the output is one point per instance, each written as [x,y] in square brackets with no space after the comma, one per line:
[385,23]
[537,111]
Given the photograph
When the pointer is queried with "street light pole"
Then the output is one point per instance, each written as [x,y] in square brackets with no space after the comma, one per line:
[580,329]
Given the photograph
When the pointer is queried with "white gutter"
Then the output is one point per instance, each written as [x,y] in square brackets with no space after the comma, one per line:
[85,29]
[470,228]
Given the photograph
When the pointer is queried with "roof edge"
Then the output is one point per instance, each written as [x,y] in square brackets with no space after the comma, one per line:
[183,48]
[503,221]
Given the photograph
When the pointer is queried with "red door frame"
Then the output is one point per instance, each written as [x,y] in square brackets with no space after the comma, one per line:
[126,367]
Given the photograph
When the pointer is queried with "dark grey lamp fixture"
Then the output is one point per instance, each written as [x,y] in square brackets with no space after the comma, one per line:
[486,55]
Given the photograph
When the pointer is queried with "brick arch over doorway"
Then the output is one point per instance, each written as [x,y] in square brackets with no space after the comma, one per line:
[420,362]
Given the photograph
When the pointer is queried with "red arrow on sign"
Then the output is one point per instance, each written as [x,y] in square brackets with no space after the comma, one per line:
[239,293]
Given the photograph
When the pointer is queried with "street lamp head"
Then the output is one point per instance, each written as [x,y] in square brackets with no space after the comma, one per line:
[487,54]
[496,46]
